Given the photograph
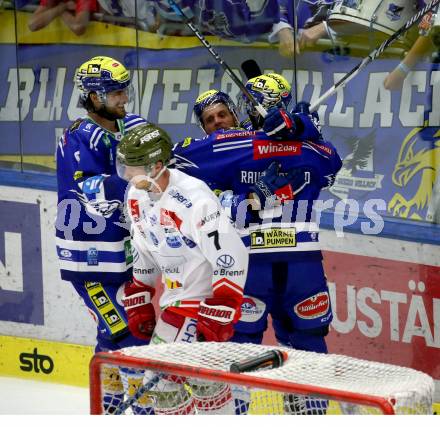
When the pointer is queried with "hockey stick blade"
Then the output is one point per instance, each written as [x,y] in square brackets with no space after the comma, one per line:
[373,55]
[138,394]
[270,359]
[178,10]
[251,69]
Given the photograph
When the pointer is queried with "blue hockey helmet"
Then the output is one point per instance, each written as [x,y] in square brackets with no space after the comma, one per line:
[102,75]
[210,98]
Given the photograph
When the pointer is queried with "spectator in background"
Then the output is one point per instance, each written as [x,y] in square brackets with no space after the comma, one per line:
[422,47]
[240,20]
[310,16]
[142,11]
[75,14]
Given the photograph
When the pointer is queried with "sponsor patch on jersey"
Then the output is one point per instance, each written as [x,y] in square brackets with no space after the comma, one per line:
[225,261]
[208,218]
[153,219]
[154,239]
[169,218]
[92,256]
[321,147]
[75,125]
[228,272]
[78,175]
[133,204]
[273,238]
[171,269]
[252,309]
[92,185]
[65,254]
[265,149]
[313,307]
[144,270]
[173,284]
[235,134]
[188,242]
[187,141]
[128,252]
[182,199]
[173,242]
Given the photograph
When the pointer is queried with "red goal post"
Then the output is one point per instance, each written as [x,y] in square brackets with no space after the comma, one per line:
[324,383]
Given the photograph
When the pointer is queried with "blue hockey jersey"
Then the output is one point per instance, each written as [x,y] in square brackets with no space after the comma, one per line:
[93,241]
[235,159]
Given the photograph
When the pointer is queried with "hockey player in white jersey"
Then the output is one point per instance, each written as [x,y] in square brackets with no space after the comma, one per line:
[181,237]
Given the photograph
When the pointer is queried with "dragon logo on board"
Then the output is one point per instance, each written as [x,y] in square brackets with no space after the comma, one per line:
[415,172]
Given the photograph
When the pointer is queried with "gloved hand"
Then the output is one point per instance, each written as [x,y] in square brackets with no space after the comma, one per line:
[140,311]
[215,320]
[279,123]
[272,189]
[304,108]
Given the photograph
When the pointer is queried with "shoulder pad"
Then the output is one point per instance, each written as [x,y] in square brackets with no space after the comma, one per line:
[132,120]
[75,125]
[186,142]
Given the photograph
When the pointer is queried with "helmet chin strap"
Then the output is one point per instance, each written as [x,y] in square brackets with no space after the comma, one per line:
[139,180]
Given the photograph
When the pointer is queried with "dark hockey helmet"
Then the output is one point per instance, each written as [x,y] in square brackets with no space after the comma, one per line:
[102,75]
[144,146]
[210,98]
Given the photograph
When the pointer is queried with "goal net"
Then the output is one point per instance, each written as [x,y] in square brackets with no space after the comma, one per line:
[197,379]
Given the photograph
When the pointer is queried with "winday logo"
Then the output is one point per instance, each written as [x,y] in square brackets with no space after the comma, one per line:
[264,149]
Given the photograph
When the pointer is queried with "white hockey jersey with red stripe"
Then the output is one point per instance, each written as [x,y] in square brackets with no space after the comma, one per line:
[185,237]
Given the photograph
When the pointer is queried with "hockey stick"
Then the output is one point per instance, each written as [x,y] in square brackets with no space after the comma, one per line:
[251,69]
[373,55]
[177,9]
[139,392]
[270,359]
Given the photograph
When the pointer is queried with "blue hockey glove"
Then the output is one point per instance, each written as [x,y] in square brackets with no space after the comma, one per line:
[279,123]
[274,189]
[303,109]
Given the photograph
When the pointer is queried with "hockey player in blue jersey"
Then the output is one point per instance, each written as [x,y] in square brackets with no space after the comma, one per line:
[93,242]
[273,212]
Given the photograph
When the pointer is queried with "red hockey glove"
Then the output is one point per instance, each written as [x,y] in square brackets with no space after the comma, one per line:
[215,320]
[140,311]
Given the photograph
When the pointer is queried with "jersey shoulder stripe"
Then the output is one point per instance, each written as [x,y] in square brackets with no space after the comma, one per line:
[85,131]
[132,120]
[319,148]
[232,135]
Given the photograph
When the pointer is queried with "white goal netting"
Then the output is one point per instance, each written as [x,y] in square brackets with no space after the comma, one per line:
[196,379]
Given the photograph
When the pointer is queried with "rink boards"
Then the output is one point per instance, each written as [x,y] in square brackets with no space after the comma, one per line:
[385,294]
